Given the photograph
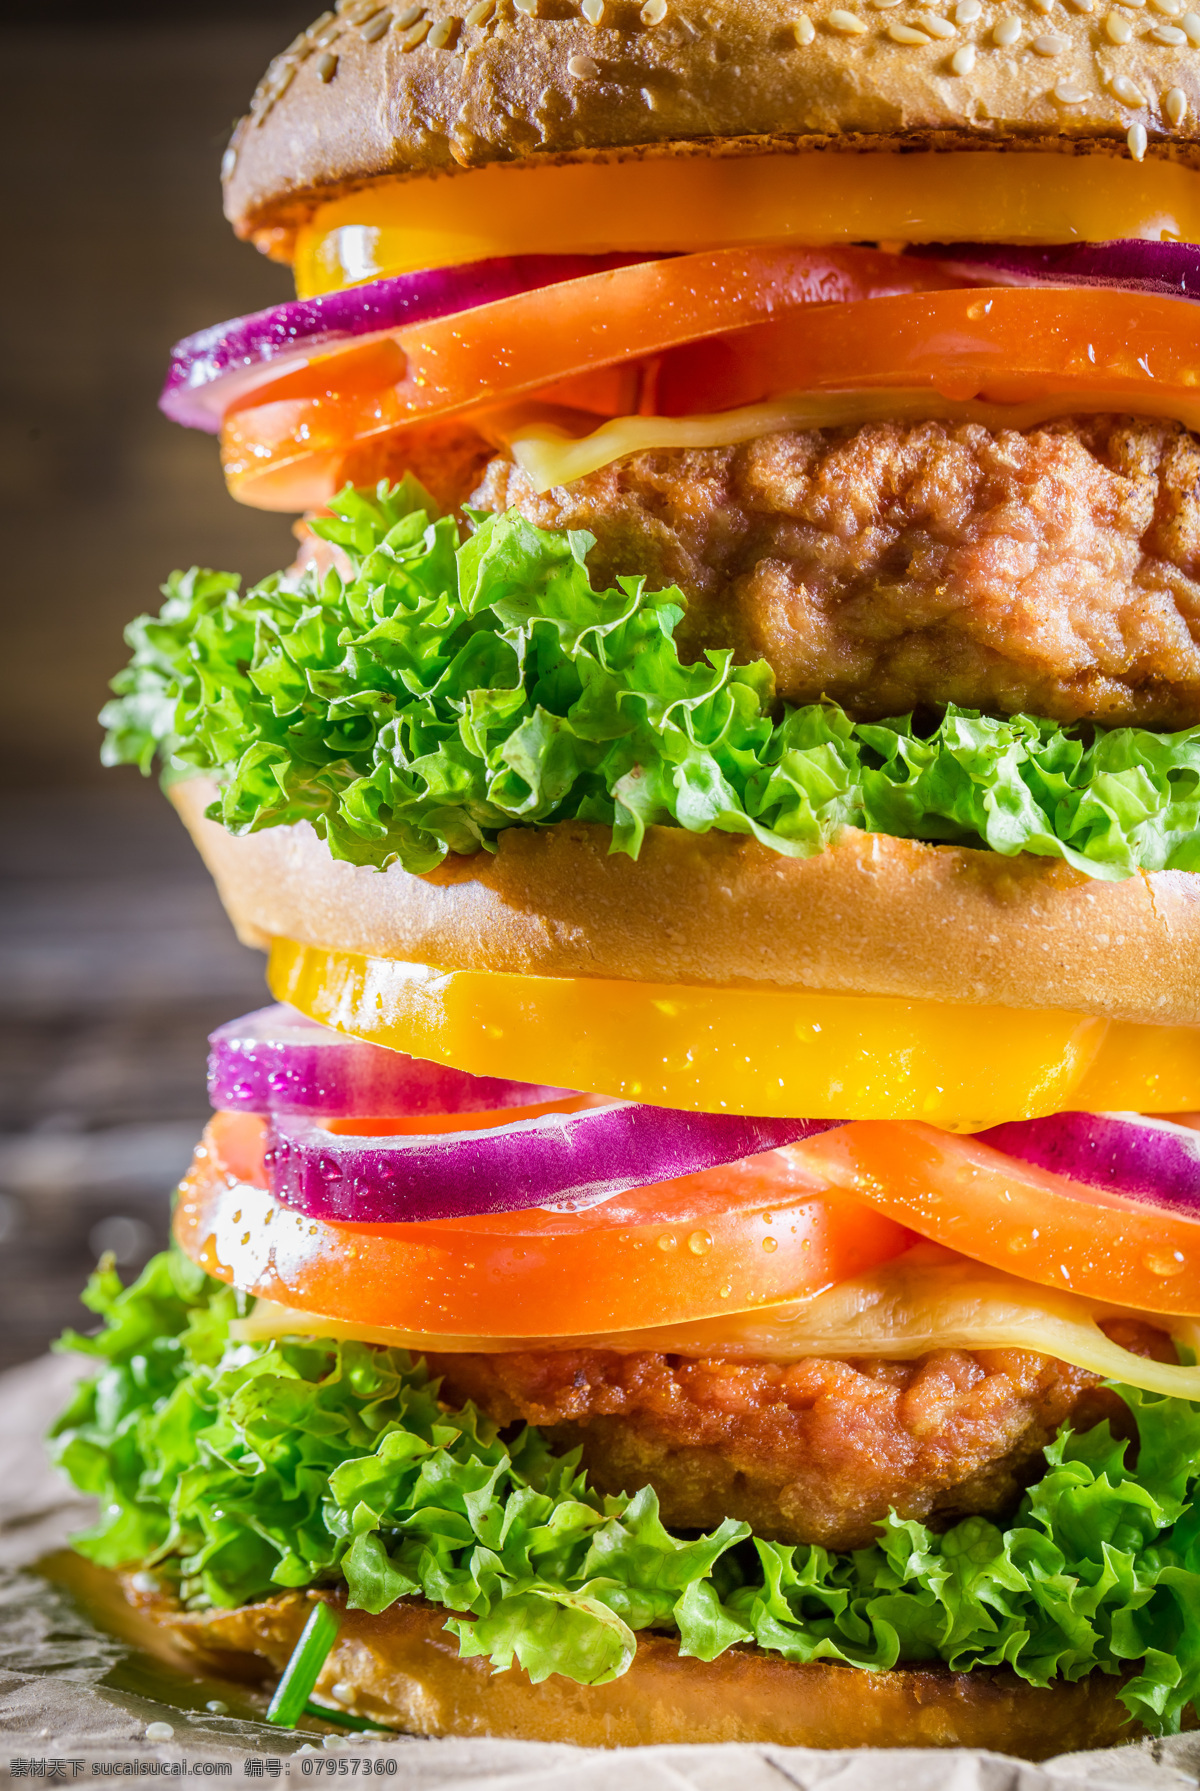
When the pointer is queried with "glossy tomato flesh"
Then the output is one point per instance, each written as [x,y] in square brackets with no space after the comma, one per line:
[751,1233]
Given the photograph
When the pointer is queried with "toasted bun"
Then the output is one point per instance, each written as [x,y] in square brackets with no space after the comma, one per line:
[343,105]
[874,915]
[405,1672]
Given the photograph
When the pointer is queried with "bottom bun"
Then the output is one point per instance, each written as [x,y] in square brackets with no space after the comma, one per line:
[403,1670]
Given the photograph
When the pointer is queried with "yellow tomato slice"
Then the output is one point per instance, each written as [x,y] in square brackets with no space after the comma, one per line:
[680,203]
[753,1233]
[762,1051]
[963,1193]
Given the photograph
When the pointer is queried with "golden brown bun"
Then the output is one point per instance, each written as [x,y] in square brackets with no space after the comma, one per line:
[872,914]
[341,107]
[405,1672]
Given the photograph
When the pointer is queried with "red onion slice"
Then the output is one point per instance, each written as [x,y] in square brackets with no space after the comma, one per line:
[1169,270]
[1150,1160]
[558,1160]
[278,1061]
[211,369]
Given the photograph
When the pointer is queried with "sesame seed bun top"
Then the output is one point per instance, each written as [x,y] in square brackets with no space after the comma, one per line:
[406,89]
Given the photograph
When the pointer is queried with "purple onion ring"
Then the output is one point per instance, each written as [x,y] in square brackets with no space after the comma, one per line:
[1129,264]
[1149,1160]
[559,1160]
[279,1061]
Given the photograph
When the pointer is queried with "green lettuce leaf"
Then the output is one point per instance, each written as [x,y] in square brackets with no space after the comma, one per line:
[234,1470]
[448,690]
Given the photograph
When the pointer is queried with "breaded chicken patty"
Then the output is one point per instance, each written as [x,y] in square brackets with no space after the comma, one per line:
[1053,570]
[812,1451]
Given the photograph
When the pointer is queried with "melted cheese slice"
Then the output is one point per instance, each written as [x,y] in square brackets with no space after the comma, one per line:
[927,1299]
[550,455]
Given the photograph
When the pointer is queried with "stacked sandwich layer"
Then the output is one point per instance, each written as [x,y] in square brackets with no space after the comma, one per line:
[716,1209]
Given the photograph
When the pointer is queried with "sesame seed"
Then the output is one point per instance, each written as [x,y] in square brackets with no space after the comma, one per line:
[1116,29]
[408,16]
[1190,23]
[326,66]
[1006,31]
[593,11]
[1067,94]
[1135,137]
[936,25]
[159,1732]
[1080,5]
[1175,106]
[967,11]
[529,7]
[1042,6]
[1168,34]
[654,12]
[1050,44]
[846,24]
[279,84]
[377,27]
[884,5]
[480,13]
[963,60]
[326,18]
[229,159]
[443,34]
[905,34]
[582,68]
[328,34]
[1170,9]
[803,30]
[417,35]
[357,12]
[1127,91]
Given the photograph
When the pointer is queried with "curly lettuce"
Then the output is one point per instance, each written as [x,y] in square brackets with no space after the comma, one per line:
[449,689]
[234,1470]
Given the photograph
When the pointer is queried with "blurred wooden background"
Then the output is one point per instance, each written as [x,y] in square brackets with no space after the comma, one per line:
[115,957]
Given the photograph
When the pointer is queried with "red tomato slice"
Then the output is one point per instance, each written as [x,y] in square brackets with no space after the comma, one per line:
[963,1193]
[282,446]
[752,1233]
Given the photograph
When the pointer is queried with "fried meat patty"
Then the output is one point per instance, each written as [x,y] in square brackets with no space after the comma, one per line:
[812,1451]
[1053,570]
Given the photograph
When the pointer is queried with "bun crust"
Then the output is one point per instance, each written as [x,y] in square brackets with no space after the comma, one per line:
[406,1673]
[873,915]
[346,103]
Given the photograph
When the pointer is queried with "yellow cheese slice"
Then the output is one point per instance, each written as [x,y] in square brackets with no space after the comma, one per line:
[550,455]
[927,1299]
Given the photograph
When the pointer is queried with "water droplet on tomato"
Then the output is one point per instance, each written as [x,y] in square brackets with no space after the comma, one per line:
[700,1243]
[667,1240]
[725,1292]
[1019,1240]
[1160,1262]
[770,1244]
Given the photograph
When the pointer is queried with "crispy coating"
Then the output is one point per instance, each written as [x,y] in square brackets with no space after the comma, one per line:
[1054,570]
[812,1451]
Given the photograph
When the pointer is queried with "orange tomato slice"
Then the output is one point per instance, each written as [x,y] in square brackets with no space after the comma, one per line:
[750,1234]
[967,1195]
[283,444]
[998,344]
[718,332]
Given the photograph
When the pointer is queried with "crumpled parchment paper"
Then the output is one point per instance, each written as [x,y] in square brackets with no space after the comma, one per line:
[69,1695]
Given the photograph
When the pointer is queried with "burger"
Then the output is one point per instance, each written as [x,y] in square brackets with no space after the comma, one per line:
[707,1245]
